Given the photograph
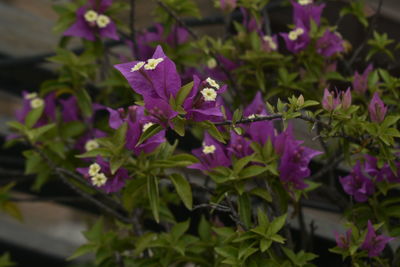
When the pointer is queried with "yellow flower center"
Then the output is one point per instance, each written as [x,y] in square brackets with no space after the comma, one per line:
[91,144]
[91,16]
[211,63]
[147,126]
[212,82]
[152,63]
[102,21]
[138,66]
[305,2]
[209,94]
[99,179]
[37,102]
[209,149]
[31,96]
[94,169]
[293,35]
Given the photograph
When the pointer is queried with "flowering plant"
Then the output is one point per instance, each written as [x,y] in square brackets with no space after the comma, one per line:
[116,135]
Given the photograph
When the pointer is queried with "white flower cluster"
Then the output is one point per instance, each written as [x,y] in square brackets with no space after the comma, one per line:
[293,35]
[36,101]
[98,178]
[209,93]
[101,20]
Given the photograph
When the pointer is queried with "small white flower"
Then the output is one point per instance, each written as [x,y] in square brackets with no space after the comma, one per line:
[91,144]
[252,116]
[211,63]
[94,169]
[212,82]
[293,35]
[99,179]
[152,63]
[209,149]
[305,2]
[31,96]
[138,66]
[209,94]
[270,42]
[299,31]
[102,21]
[147,126]
[37,102]
[91,16]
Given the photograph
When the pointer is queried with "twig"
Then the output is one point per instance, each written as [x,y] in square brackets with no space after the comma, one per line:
[214,206]
[327,168]
[234,215]
[370,30]
[63,176]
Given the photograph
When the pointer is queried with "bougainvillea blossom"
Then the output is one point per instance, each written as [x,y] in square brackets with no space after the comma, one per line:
[377,109]
[373,243]
[360,81]
[92,22]
[357,184]
[99,175]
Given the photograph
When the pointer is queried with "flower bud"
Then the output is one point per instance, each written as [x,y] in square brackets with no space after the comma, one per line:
[228,5]
[346,99]
[329,102]
[377,109]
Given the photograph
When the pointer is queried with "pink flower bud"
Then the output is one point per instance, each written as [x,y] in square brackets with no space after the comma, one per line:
[346,99]
[377,109]
[329,102]
[228,5]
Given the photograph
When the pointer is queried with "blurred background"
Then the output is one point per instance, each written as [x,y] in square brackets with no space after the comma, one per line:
[54,218]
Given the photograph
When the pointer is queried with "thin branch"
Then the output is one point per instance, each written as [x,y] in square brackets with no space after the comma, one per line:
[214,206]
[234,215]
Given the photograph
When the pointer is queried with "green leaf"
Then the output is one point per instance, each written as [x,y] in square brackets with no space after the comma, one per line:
[34,134]
[96,232]
[265,244]
[143,242]
[252,171]
[116,162]
[213,131]
[183,93]
[151,131]
[179,125]
[82,250]
[245,209]
[179,229]
[33,116]
[11,209]
[183,189]
[95,152]
[154,198]
[84,102]
[241,163]
[277,224]
[204,229]
[5,260]
[262,193]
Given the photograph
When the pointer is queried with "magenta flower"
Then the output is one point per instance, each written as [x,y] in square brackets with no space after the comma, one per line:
[260,131]
[304,11]
[99,175]
[329,102]
[201,104]
[329,44]
[32,101]
[377,109]
[343,241]
[381,174]
[294,160]
[357,184]
[212,154]
[373,243]
[269,43]
[70,109]
[360,81]
[239,146]
[147,41]
[92,22]
[137,124]
[297,40]
[228,5]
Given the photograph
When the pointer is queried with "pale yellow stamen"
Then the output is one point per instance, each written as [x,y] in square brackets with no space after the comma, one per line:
[211,63]
[209,94]
[31,96]
[293,35]
[152,63]
[37,102]
[99,179]
[270,42]
[102,21]
[138,66]
[94,169]
[212,82]
[91,144]
[305,2]
[209,149]
[147,126]
[91,16]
